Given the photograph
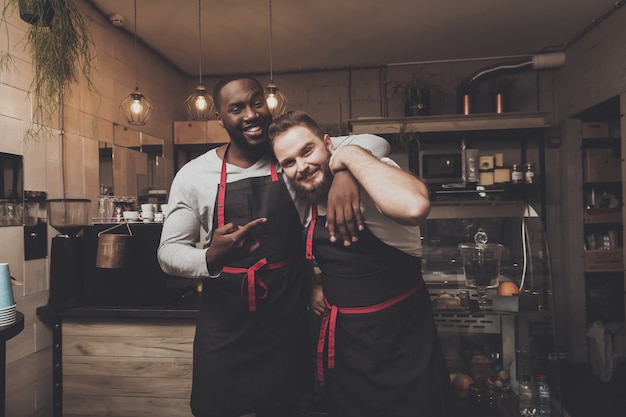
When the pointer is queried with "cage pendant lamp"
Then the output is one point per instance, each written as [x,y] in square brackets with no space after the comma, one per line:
[136,108]
[200,104]
[276,99]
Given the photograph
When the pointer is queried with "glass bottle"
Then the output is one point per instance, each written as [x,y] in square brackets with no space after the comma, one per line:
[527,406]
[517,176]
[529,173]
[544,406]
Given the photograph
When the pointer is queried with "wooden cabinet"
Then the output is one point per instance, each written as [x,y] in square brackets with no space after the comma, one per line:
[199,132]
[603,214]
[127,367]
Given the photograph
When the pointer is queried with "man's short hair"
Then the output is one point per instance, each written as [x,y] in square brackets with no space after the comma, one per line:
[217,90]
[290,119]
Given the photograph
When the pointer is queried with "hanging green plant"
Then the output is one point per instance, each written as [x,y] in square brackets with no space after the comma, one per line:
[58,41]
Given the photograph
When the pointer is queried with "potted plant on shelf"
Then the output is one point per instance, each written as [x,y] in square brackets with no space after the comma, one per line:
[58,41]
[416,92]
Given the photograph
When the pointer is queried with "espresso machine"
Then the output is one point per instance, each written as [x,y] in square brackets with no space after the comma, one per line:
[68,216]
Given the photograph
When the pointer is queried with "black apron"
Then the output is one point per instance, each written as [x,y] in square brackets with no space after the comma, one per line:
[251,348]
[378,348]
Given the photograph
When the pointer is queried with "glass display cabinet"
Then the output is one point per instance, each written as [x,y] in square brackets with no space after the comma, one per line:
[490,346]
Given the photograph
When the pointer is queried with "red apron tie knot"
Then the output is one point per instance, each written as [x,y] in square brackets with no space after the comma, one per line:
[329,325]
[252,280]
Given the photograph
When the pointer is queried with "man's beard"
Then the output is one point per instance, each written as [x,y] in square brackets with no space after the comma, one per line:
[317,194]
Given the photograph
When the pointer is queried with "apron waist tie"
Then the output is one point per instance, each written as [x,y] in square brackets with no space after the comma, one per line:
[329,324]
[251,278]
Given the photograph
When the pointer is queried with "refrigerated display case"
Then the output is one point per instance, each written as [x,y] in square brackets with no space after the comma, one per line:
[490,348]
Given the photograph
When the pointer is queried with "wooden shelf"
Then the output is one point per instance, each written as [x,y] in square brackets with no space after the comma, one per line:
[448,123]
[600,260]
[601,216]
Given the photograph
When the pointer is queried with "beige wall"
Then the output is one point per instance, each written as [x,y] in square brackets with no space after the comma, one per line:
[88,117]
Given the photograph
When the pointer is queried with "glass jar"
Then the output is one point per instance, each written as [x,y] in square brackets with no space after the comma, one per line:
[517,176]
[529,173]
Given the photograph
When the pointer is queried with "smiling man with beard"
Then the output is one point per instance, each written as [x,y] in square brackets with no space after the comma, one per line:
[378,349]
[251,349]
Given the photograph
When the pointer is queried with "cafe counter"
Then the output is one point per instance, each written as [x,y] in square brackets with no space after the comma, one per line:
[123,337]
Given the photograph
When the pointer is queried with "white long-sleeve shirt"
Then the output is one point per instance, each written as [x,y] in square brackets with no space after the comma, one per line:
[191,204]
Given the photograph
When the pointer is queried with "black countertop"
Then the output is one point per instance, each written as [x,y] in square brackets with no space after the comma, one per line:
[183,307]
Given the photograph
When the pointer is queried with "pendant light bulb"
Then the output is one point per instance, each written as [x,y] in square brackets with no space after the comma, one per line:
[136,108]
[272,102]
[276,101]
[200,104]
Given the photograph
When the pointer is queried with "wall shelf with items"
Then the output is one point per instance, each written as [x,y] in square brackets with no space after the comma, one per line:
[510,140]
[603,202]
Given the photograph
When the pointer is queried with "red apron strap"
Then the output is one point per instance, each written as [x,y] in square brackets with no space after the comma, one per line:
[251,279]
[320,343]
[329,325]
[310,231]
[273,172]
[221,193]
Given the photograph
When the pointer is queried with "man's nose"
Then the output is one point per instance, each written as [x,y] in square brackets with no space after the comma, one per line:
[301,164]
[250,112]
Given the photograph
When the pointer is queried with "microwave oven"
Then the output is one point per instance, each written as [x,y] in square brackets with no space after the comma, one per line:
[441,166]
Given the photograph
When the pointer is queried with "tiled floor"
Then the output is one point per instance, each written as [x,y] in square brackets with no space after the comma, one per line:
[585,395]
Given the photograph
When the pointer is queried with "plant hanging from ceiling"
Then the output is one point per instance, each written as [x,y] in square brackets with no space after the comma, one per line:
[58,42]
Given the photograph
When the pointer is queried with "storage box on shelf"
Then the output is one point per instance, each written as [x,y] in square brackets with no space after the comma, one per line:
[595,130]
[604,260]
[601,165]
[602,211]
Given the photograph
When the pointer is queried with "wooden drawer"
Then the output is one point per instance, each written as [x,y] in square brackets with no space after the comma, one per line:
[216,133]
[199,132]
[190,133]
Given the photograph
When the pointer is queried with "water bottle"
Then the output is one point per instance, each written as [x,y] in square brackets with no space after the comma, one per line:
[543,396]
[527,405]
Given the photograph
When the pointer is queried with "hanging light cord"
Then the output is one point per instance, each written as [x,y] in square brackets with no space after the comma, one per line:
[136,59]
[271,59]
[200,40]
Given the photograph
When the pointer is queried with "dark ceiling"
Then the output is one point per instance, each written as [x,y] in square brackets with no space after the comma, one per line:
[329,34]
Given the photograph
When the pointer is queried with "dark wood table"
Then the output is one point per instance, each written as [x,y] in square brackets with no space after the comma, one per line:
[6,333]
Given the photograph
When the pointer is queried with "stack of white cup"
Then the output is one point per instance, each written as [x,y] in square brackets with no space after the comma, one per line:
[7,302]
[147,212]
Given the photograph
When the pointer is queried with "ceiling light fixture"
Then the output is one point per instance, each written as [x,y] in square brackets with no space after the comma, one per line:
[136,108]
[276,100]
[199,104]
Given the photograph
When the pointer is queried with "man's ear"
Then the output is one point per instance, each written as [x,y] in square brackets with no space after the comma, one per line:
[328,143]
[219,119]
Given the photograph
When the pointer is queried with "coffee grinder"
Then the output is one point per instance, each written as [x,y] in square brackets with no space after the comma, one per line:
[68,216]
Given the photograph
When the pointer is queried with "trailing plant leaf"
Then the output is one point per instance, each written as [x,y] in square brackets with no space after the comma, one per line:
[402,141]
[60,54]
